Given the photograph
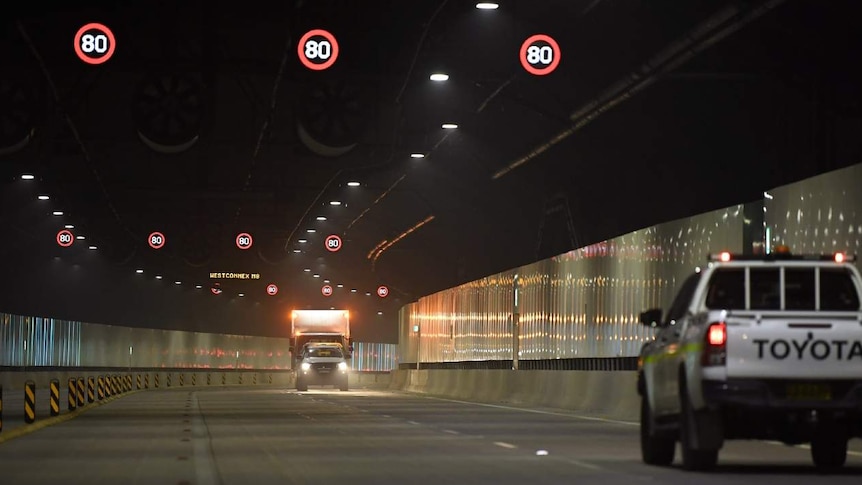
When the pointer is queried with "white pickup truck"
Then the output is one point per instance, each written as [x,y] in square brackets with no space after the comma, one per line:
[765,348]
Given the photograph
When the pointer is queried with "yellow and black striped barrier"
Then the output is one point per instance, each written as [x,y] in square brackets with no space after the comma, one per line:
[146,381]
[138,381]
[73,399]
[209,378]
[130,382]
[55,397]
[240,378]
[182,379]
[91,389]
[223,378]
[169,379]
[29,402]
[270,378]
[254,379]
[112,385]
[81,392]
[156,380]
[194,379]
[101,387]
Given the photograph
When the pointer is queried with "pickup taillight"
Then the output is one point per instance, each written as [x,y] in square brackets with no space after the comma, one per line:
[715,345]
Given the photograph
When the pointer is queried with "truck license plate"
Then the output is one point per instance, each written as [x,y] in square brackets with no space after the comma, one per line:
[809,392]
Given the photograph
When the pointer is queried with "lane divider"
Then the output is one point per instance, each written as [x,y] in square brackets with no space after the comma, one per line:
[29,402]
[81,392]
[91,389]
[55,397]
[72,399]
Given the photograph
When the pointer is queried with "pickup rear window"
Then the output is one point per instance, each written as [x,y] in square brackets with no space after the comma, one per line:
[837,290]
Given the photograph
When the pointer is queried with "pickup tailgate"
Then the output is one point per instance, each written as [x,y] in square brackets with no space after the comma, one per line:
[795,346]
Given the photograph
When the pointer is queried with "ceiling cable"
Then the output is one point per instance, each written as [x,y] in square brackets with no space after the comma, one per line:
[68,119]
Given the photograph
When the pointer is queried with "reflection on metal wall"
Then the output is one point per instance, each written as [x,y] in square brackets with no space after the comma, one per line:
[822,214]
[373,357]
[583,303]
[36,341]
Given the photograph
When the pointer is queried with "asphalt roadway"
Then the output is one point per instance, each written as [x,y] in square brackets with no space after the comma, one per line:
[326,437]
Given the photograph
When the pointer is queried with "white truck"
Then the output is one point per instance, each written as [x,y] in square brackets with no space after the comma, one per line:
[319,327]
[762,347]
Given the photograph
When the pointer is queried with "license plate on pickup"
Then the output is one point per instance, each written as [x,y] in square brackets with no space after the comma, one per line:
[806,391]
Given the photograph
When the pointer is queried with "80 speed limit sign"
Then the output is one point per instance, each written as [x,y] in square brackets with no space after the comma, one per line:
[540,54]
[317,49]
[94,43]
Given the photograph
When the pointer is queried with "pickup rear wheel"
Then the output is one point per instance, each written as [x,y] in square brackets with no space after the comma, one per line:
[692,459]
[656,448]
[829,450]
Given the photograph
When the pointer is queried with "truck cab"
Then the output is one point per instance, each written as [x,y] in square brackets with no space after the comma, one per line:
[322,363]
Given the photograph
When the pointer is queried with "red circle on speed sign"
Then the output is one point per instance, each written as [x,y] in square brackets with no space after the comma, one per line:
[94,43]
[244,240]
[382,291]
[156,240]
[65,238]
[271,290]
[333,243]
[326,290]
[317,49]
[540,54]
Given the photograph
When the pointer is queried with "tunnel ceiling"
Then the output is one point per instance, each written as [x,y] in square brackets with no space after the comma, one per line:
[204,124]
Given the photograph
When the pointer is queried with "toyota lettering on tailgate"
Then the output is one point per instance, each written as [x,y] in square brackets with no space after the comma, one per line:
[818,349]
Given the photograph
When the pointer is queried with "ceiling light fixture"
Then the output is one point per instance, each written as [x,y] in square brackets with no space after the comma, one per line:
[439,77]
[297,250]
[335,202]
[340,285]
[307,270]
[449,126]
[241,295]
[353,290]
[80,238]
[139,271]
[93,248]
[27,176]
[158,276]
[57,213]
[321,218]
[310,230]
[43,197]
[69,226]
[178,282]
[316,275]
[487,6]
[302,241]
[199,286]
[417,155]
[353,184]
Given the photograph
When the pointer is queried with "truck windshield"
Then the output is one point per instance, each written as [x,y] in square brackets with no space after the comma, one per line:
[837,290]
[325,352]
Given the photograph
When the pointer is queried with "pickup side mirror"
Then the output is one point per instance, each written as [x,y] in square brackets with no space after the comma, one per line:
[651,318]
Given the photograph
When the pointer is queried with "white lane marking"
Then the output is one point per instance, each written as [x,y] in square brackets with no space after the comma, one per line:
[504,444]
[450,431]
[536,411]
[387,416]
[205,466]
[582,464]
[412,422]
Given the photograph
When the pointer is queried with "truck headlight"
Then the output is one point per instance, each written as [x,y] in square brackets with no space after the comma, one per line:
[342,366]
[305,366]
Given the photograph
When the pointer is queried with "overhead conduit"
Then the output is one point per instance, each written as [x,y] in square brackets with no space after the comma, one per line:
[717,27]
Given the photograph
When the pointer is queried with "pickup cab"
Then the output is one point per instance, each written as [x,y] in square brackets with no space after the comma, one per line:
[755,347]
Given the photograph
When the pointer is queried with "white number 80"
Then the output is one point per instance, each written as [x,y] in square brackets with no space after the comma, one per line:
[318,50]
[94,43]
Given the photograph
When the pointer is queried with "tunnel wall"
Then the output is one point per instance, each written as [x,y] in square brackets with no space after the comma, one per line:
[36,342]
[584,304]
